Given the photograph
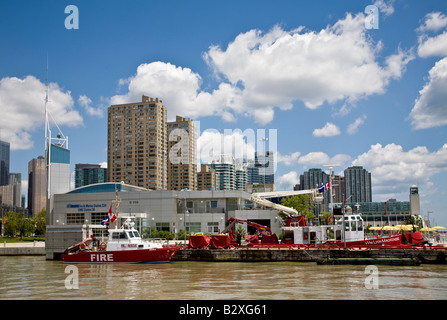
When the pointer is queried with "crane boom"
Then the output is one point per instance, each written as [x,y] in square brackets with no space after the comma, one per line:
[261,199]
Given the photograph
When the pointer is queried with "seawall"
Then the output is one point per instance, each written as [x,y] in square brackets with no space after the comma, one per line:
[427,256]
[23,249]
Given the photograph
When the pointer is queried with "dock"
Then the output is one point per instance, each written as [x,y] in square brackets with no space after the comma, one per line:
[424,255]
[36,248]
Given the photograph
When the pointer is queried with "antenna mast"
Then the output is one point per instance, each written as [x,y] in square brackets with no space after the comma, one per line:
[47,135]
[61,140]
[331,166]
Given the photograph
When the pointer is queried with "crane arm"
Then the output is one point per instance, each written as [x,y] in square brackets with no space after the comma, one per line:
[260,198]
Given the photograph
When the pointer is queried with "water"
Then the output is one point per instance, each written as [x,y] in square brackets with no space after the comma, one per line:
[34,278]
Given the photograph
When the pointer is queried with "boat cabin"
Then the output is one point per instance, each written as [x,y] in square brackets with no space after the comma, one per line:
[353,231]
[128,238]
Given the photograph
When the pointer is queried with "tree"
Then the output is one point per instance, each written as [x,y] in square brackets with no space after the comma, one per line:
[17,223]
[302,204]
[40,222]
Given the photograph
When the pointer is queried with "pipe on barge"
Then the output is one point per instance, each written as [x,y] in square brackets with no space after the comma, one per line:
[424,255]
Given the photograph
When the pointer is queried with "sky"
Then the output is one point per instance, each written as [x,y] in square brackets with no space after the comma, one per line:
[326,82]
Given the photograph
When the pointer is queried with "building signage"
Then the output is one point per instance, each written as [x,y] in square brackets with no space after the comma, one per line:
[87,207]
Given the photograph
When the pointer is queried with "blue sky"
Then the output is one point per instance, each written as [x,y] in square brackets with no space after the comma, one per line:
[331,88]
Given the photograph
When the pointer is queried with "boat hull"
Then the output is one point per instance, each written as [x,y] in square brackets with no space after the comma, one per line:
[408,238]
[158,255]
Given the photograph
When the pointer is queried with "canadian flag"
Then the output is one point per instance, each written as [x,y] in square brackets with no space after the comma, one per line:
[112,216]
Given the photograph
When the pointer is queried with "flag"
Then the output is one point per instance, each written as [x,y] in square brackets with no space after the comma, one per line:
[324,187]
[112,216]
[103,222]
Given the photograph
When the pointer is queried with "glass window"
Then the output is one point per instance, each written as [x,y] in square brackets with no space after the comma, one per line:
[163,226]
[131,234]
[213,227]
[98,217]
[75,218]
[194,227]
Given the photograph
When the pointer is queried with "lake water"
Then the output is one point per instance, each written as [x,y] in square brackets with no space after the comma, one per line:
[34,278]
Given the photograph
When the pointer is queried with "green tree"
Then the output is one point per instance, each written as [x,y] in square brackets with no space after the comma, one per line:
[241,231]
[324,216]
[302,204]
[40,222]
[16,223]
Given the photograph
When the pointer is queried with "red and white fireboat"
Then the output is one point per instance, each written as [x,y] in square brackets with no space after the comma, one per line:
[124,245]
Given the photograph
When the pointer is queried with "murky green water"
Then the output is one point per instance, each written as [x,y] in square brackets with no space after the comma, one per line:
[36,278]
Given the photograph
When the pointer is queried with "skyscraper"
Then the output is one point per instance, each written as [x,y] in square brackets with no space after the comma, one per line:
[224,167]
[4,162]
[262,169]
[86,174]
[357,184]
[37,185]
[266,166]
[137,143]
[182,154]
[312,179]
[230,175]
[206,178]
[59,175]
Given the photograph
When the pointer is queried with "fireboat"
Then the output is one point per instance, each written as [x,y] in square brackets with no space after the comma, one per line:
[124,245]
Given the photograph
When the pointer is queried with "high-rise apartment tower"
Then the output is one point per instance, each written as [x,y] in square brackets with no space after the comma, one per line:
[182,154]
[358,184]
[137,143]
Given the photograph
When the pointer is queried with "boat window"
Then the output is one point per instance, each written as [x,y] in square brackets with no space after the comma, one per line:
[136,234]
[347,226]
[123,235]
[115,235]
[130,234]
[360,226]
[354,225]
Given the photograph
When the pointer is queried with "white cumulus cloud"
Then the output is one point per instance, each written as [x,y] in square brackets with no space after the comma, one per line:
[261,72]
[433,21]
[430,108]
[211,143]
[394,170]
[179,89]
[329,130]
[315,159]
[86,103]
[281,66]
[22,109]
[288,160]
[288,181]
[354,127]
